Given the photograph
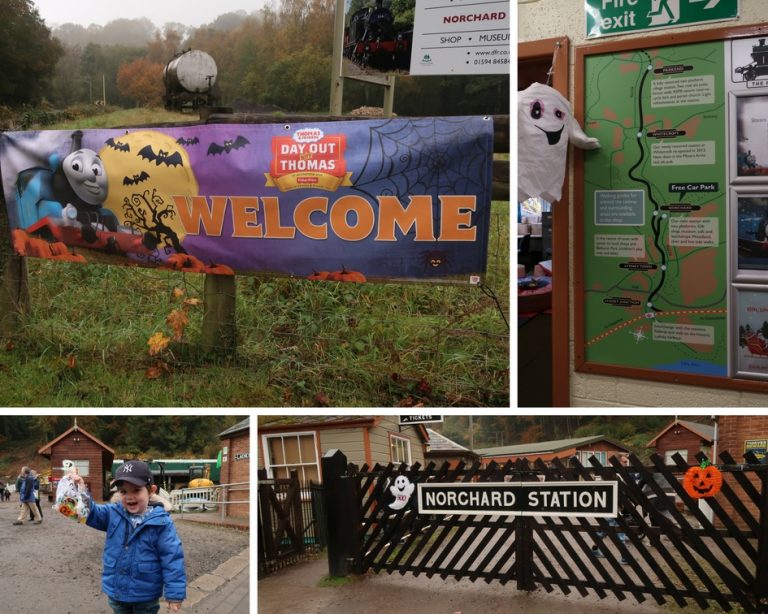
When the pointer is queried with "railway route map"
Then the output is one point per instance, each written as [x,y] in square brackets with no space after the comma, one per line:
[655,255]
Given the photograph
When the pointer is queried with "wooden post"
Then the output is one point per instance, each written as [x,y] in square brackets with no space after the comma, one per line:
[342,513]
[296,513]
[337,77]
[14,294]
[219,330]
[389,96]
[524,553]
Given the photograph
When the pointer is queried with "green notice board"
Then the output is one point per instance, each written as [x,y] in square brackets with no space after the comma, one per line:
[655,193]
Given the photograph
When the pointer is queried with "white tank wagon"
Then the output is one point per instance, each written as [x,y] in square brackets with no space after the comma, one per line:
[190,80]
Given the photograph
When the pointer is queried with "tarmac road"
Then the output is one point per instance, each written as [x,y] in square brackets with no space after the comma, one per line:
[56,566]
[294,591]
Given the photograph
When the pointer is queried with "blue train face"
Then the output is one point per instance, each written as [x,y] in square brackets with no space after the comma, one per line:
[85,173]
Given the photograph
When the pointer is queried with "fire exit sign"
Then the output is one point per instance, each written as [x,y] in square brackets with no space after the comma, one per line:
[610,17]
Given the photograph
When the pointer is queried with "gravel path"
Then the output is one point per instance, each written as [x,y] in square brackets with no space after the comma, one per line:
[56,566]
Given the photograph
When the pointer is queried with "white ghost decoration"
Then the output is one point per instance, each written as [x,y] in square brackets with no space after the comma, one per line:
[402,490]
[545,125]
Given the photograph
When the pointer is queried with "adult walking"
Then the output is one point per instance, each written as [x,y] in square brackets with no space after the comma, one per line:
[27,497]
[36,479]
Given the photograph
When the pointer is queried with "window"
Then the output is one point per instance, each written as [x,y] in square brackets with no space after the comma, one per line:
[399,449]
[83,467]
[585,455]
[670,453]
[291,452]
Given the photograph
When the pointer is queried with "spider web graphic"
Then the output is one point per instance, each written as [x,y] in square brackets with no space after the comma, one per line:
[435,156]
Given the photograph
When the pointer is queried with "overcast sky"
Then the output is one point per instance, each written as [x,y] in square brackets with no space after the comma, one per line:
[187,12]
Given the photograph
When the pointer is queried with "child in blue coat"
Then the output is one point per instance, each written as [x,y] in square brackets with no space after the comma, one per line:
[143,556]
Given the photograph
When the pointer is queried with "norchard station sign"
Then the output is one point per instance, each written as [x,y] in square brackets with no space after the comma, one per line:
[584,499]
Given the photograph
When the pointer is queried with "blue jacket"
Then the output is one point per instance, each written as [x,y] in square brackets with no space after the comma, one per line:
[27,491]
[143,563]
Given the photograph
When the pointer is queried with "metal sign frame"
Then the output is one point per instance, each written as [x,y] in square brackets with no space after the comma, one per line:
[505,490]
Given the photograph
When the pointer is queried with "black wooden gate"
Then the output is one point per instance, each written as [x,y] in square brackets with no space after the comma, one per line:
[291,522]
[663,545]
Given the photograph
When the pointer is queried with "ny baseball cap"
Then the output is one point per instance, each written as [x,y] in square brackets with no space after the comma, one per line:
[135,472]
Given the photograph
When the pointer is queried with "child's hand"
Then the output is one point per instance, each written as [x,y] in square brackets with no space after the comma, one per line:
[174,606]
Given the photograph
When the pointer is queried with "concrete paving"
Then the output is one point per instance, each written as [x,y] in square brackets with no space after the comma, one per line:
[295,590]
[226,590]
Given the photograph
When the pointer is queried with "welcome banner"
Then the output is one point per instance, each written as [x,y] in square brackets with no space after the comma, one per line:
[387,198]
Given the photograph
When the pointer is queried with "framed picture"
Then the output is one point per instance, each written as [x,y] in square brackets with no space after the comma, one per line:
[749,221]
[749,129]
[749,339]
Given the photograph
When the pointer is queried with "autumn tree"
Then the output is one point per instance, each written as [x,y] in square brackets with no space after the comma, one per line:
[162,49]
[28,53]
[142,81]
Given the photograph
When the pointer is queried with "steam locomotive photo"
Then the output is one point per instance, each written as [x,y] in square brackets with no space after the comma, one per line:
[190,81]
[759,66]
[371,40]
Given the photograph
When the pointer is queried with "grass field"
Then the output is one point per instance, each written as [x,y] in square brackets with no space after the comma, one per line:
[299,343]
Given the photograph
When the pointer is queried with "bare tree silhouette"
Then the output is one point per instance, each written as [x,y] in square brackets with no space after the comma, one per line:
[148,213]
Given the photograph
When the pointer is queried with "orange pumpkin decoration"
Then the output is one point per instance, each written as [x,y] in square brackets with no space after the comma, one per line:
[20,241]
[59,249]
[347,276]
[703,480]
[219,269]
[186,263]
[318,276]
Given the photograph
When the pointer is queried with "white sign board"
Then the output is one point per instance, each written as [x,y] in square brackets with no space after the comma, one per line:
[572,499]
[461,37]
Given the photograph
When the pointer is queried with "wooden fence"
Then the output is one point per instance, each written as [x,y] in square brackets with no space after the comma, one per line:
[662,546]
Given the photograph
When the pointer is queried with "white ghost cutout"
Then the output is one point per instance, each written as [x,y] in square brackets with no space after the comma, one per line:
[401,490]
[545,125]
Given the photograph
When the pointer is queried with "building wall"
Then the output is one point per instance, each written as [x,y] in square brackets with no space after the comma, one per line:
[732,433]
[681,438]
[351,441]
[379,436]
[236,469]
[84,449]
[555,18]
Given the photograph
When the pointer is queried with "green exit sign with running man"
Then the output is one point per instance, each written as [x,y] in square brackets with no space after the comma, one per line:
[610,17]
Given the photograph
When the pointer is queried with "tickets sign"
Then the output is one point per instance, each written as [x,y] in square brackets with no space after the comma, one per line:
[385,199]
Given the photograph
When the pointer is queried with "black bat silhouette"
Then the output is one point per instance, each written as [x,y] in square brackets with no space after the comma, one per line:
[193,141]
[118,145]
[135,179]
[228,146]
[161,157]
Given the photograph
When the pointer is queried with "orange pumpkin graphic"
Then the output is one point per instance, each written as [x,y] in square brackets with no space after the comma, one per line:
[703,480]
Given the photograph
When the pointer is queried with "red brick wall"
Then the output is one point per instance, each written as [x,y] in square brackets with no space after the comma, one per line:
[236,469]
[732,432]
[84,449]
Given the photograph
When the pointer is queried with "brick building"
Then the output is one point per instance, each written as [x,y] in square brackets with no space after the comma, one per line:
[685,438]
[235,466]
[736,435]
[581,448]
[92,457]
